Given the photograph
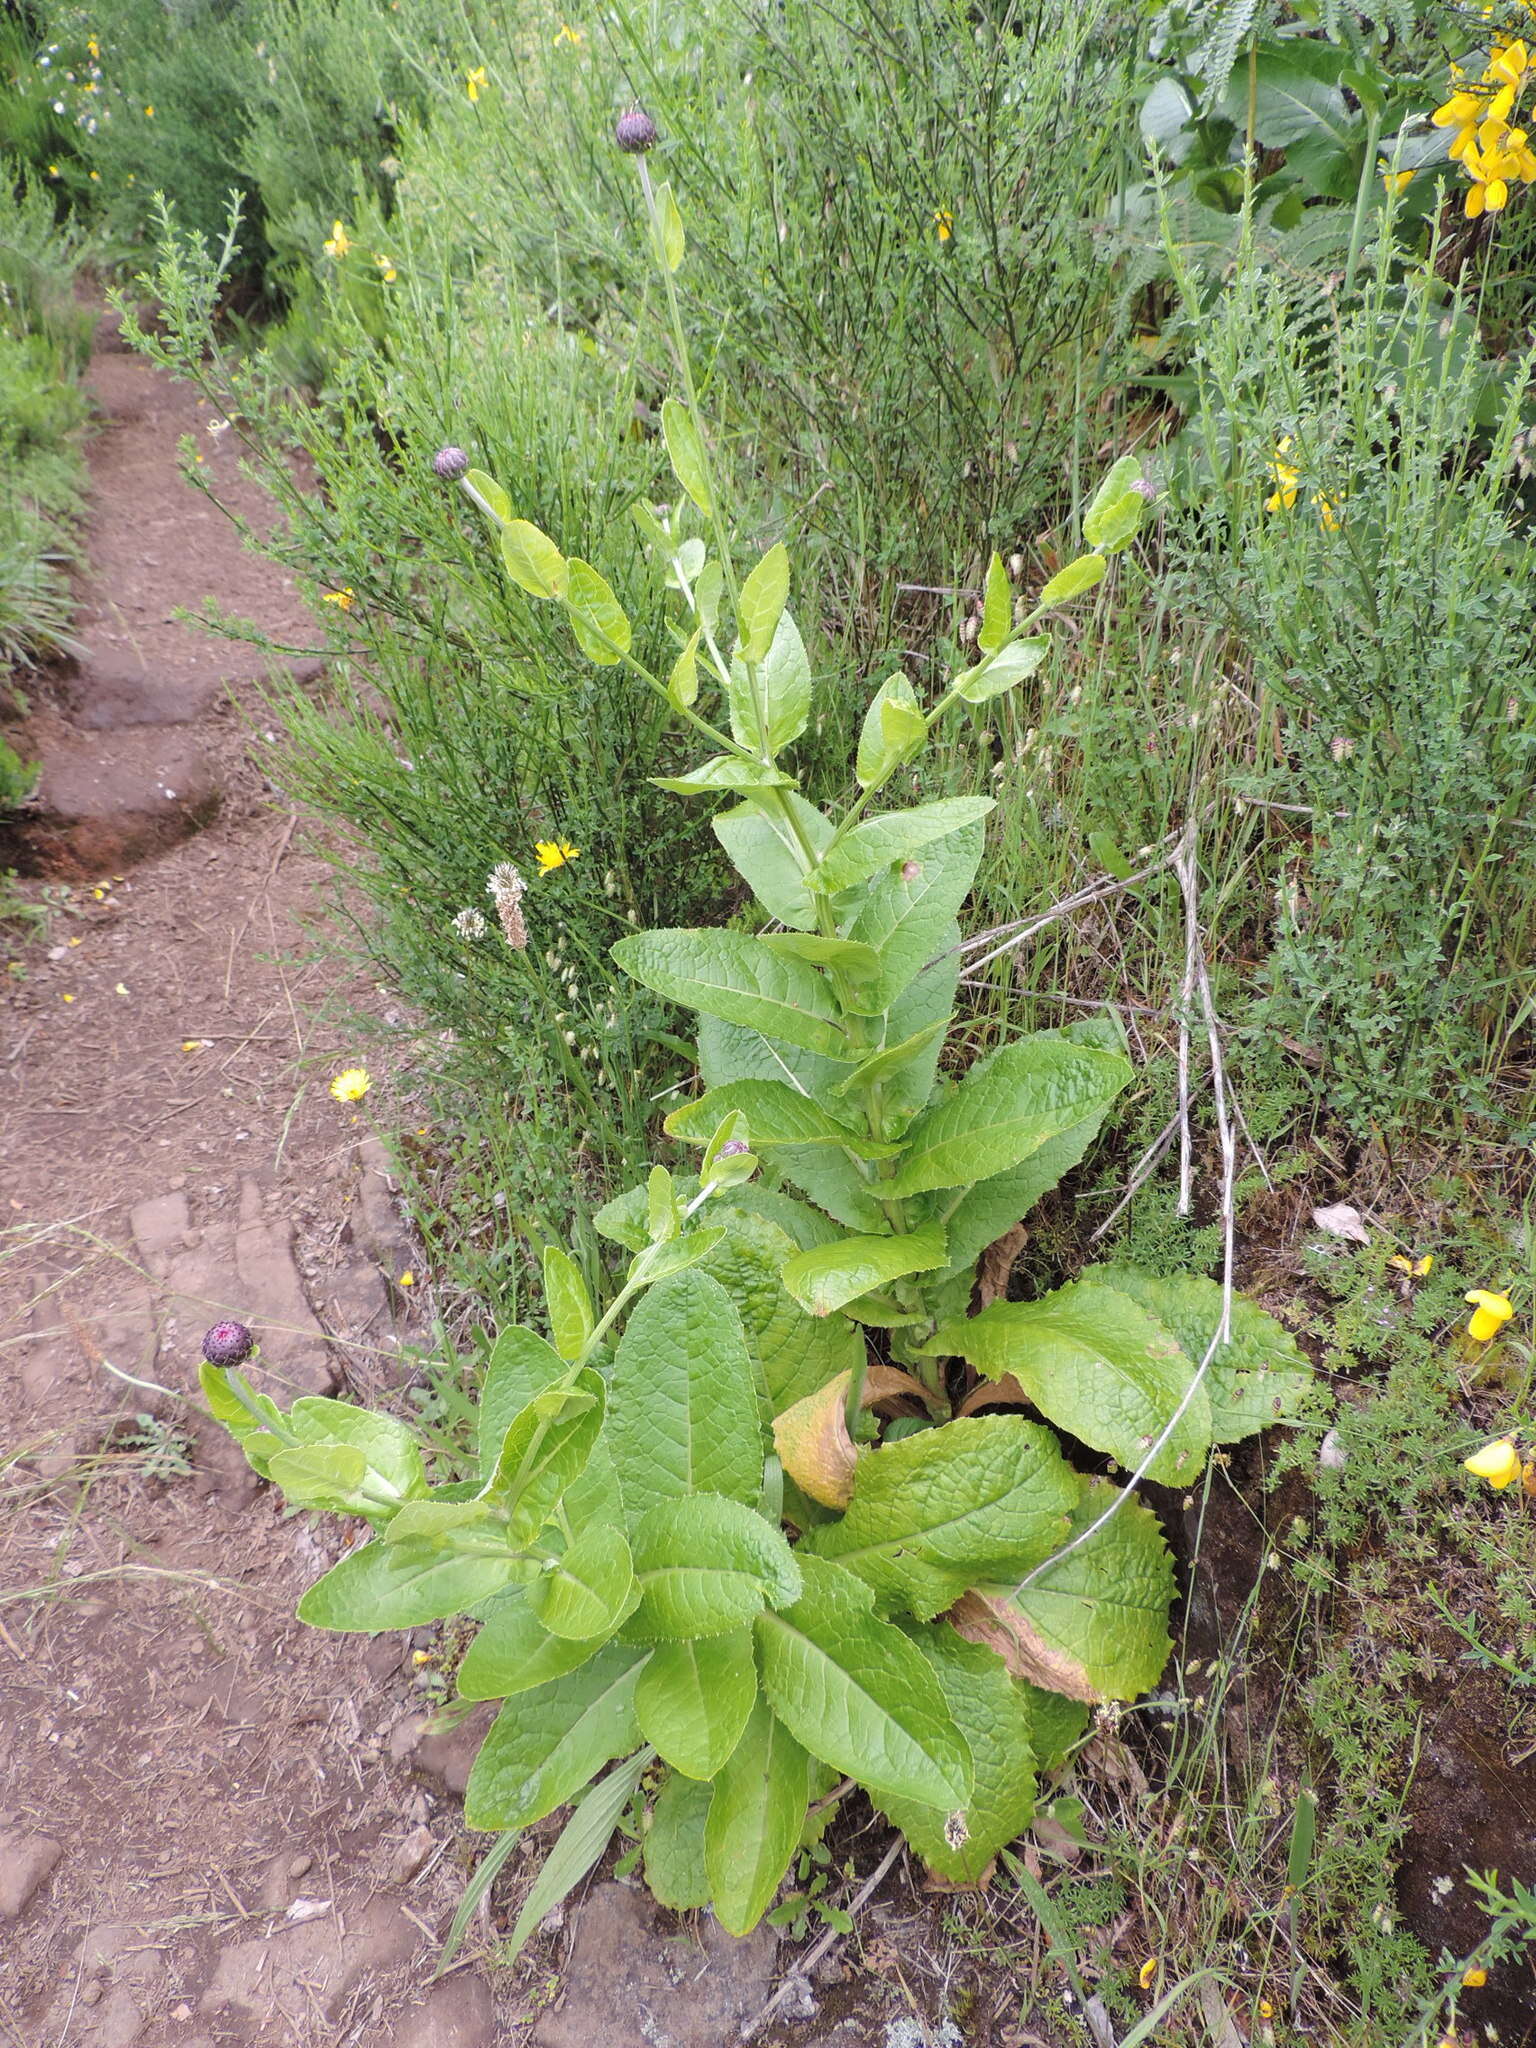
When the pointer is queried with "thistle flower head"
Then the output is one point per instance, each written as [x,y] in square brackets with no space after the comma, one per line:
[450,462]
[229,1343]
[635,131]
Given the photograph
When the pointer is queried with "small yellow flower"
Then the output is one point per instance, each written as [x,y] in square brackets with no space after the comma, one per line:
[386,268]
[1416,1269]
[1490,1312]
[1498,1463]
[476,82]
[1285,477]
[1474,1979]
[149,113]
[96,177]
[944,221]
[343,599]
[352,1085]
[53,170]
[1147,1972]
[69,999]
[1397,181]
[421,1657]
[1266,2010]
[554,853]
[339,243]
[566,34]
[93,46]
[407,1279]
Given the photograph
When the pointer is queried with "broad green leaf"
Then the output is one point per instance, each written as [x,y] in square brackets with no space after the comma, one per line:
[731,976]
[1098,1365]
[1008,1106]
[650,527]
[853,1691]
[514,1652]
[661,1261]
[521,1365]
[486,487]
[390,1450]
[723,771]
[776,1114]
[320,1475]
[894,728]
[682,1410]
[545,1448]
[402,1585]
[1073,581]
[685,449]
[705,1565]
[567,1301]
[589,1590]
[545,1745]
[759,850]
[1119,525]
[993,1206]
[996,608]
[879,842]
[593,1495]
[1259,1378]
[795,1353]
[227,1409]
[1055,1724]
[983,1498]
[784,685]
[598,620]
[993,1713]
[1118,479]
[663,1217]
[905,919]
[694,1698]
[1291,105]
[882,1065]
[672,245]
[683,682]
[834,1274]
[450,1522]
[1012,664]
[763,597]
[756,1819]
[707,594]
[674,1841]
[1098,1620]
[844,956]
[533,561]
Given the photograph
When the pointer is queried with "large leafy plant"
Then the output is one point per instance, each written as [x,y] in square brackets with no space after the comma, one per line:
[784,1512]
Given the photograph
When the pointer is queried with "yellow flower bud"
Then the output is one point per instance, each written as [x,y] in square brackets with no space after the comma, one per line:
[1498,1463]
[1490,1312]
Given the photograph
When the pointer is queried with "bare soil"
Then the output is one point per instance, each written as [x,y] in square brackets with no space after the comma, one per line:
[215,1827]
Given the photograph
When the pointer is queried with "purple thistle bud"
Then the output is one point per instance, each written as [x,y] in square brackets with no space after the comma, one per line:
[450,462]
[732,1149]
[635,132]
[229,1344]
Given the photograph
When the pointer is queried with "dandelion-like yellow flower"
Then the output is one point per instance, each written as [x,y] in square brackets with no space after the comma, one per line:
[1498,1463]
[343,599]
[553,853]
[944,222]
[352,1084]
[1490,1312]
[339,242]
[476,82]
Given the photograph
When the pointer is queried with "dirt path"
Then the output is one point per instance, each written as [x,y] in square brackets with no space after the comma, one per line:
[215,1827]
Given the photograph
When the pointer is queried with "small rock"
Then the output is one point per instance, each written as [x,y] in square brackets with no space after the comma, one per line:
[90,1994]
[445,1754]
[301,1866]
[25,1862]
[411,1854]
[457,2014]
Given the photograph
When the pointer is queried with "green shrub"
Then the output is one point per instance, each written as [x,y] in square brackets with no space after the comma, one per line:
[692,1545]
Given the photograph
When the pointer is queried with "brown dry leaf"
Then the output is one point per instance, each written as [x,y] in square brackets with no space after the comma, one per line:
[1003,1393]
[1342,1219]
[999,1625]
[812,1437]
[996,1267]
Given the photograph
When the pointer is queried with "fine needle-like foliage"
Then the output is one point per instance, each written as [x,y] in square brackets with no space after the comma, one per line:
[784,1510]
